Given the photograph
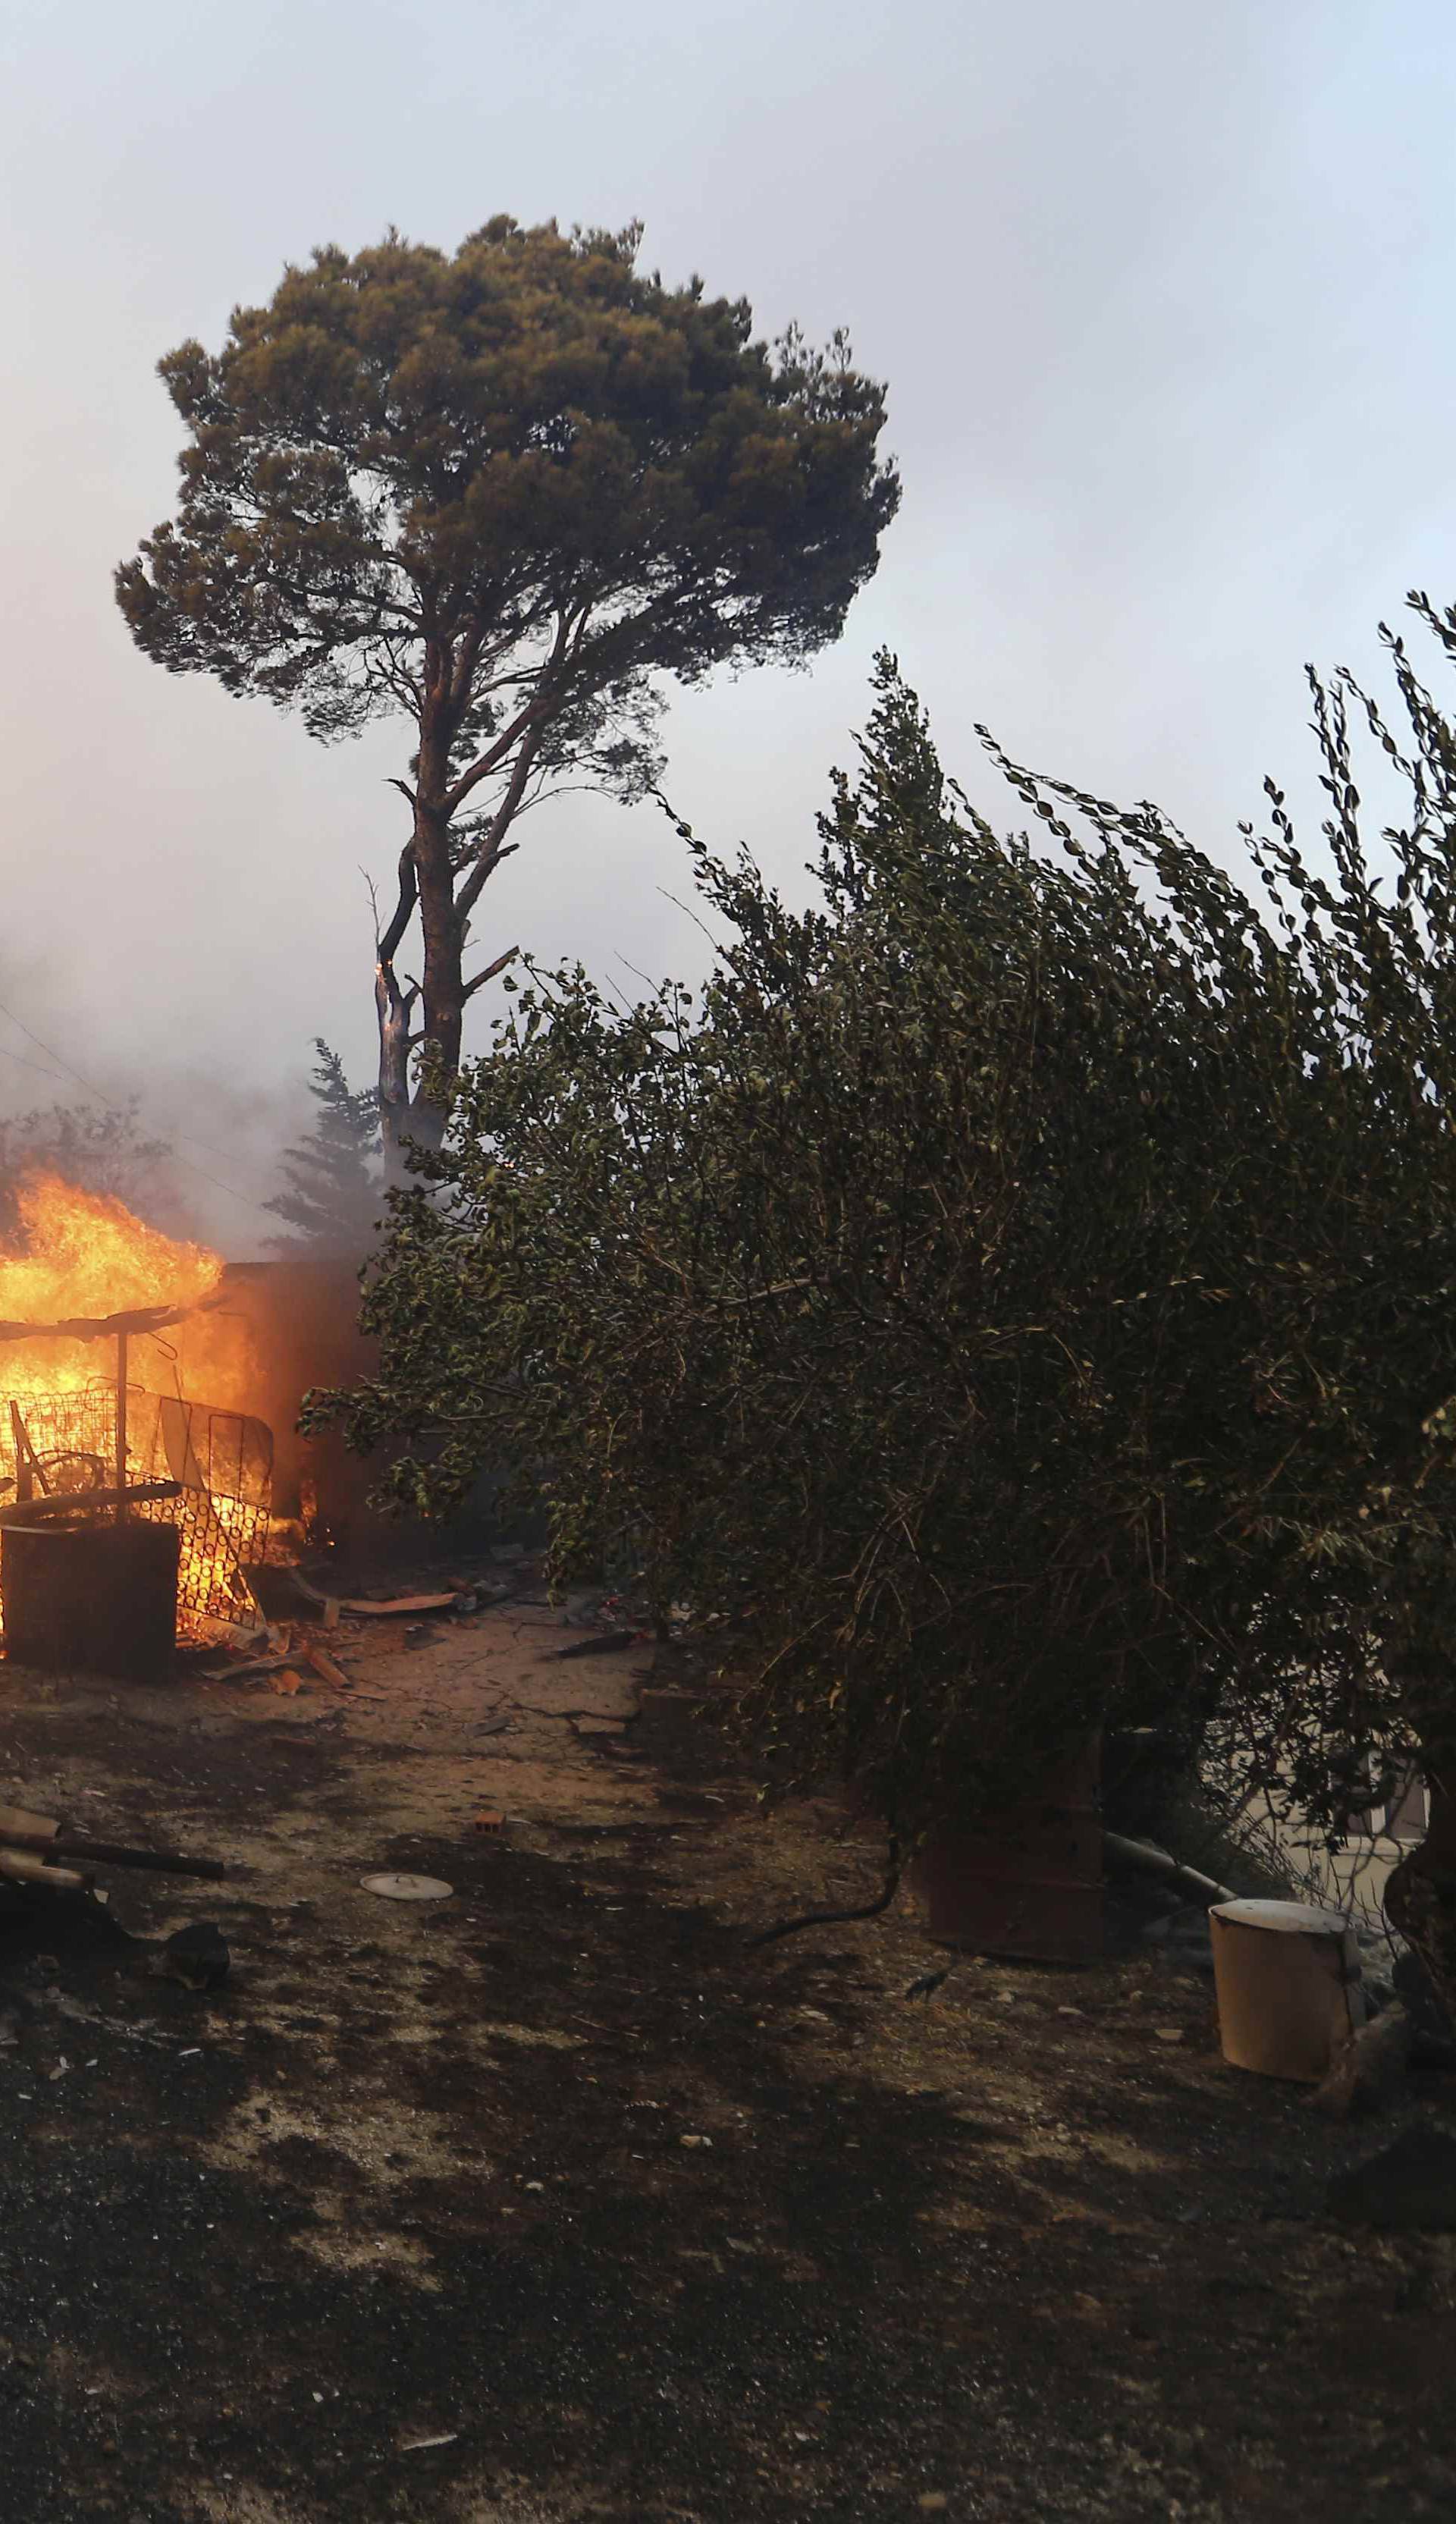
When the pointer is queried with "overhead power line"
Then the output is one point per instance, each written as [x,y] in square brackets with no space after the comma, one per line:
[63,1071]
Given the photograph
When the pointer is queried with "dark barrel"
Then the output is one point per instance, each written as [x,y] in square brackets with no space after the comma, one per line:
[91,1598]
[1026,1880]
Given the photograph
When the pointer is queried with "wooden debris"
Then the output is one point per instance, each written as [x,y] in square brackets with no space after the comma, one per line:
[324,1666]
[38,1839]
[29,1867]
[53,1850]
[64,1503]
[137,1319]
[306,1587]
[250,1669]
[15,1823]
[394,1605]
[237,1634]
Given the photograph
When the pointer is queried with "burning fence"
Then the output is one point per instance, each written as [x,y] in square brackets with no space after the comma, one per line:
[108,1331]
[216,1464]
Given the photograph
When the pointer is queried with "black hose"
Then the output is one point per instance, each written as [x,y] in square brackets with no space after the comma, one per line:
[835,1918]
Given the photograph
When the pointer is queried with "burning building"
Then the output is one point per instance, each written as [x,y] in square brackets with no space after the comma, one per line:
[147,1384]
[129,1377]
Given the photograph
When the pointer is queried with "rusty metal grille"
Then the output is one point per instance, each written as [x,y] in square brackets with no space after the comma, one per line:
[223,1460]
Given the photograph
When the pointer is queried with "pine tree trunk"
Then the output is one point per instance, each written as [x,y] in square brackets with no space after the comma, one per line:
[442,997]
[408,1113]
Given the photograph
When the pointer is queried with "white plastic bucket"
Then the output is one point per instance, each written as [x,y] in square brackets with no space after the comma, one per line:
[1287,1976]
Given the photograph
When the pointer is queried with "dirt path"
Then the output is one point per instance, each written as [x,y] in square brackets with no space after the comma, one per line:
[639,2224]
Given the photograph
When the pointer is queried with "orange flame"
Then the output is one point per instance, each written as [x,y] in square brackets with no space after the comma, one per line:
[84,1254]
[87,1255]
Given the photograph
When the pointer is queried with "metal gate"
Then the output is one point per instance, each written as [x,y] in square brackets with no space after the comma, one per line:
[55,1443]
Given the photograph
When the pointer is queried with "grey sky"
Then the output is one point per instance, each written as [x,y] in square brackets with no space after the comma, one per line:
[1162,292]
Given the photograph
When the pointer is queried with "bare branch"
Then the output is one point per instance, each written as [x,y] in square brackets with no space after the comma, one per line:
[490,851]
[493,757]
[393,671]
[409,875]
[680,826]
[536,711]
[489,974]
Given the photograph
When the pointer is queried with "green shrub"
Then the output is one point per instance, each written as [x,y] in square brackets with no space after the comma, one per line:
[1017,1294]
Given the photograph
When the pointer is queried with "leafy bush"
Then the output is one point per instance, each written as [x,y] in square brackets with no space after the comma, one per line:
[1020,1293]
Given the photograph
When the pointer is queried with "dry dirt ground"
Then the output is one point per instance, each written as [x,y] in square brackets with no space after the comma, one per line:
[554,2200]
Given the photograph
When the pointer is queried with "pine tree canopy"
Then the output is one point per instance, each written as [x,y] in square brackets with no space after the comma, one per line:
[405,446]
[504,492]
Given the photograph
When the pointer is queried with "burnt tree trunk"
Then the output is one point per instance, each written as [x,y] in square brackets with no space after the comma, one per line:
[392,1007]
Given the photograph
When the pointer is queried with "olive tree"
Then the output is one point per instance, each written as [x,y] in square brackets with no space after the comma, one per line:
[1021,1294]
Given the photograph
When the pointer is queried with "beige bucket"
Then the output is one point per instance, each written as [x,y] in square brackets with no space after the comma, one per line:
[1288,1977]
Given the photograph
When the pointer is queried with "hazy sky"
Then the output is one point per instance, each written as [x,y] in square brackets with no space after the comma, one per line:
[1163,294]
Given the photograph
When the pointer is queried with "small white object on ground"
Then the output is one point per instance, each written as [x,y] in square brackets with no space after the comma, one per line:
[408,1888]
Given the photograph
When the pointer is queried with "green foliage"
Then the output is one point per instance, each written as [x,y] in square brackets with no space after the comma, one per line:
[504,493]
[405,446]
[333,1195]
[1022,1293]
